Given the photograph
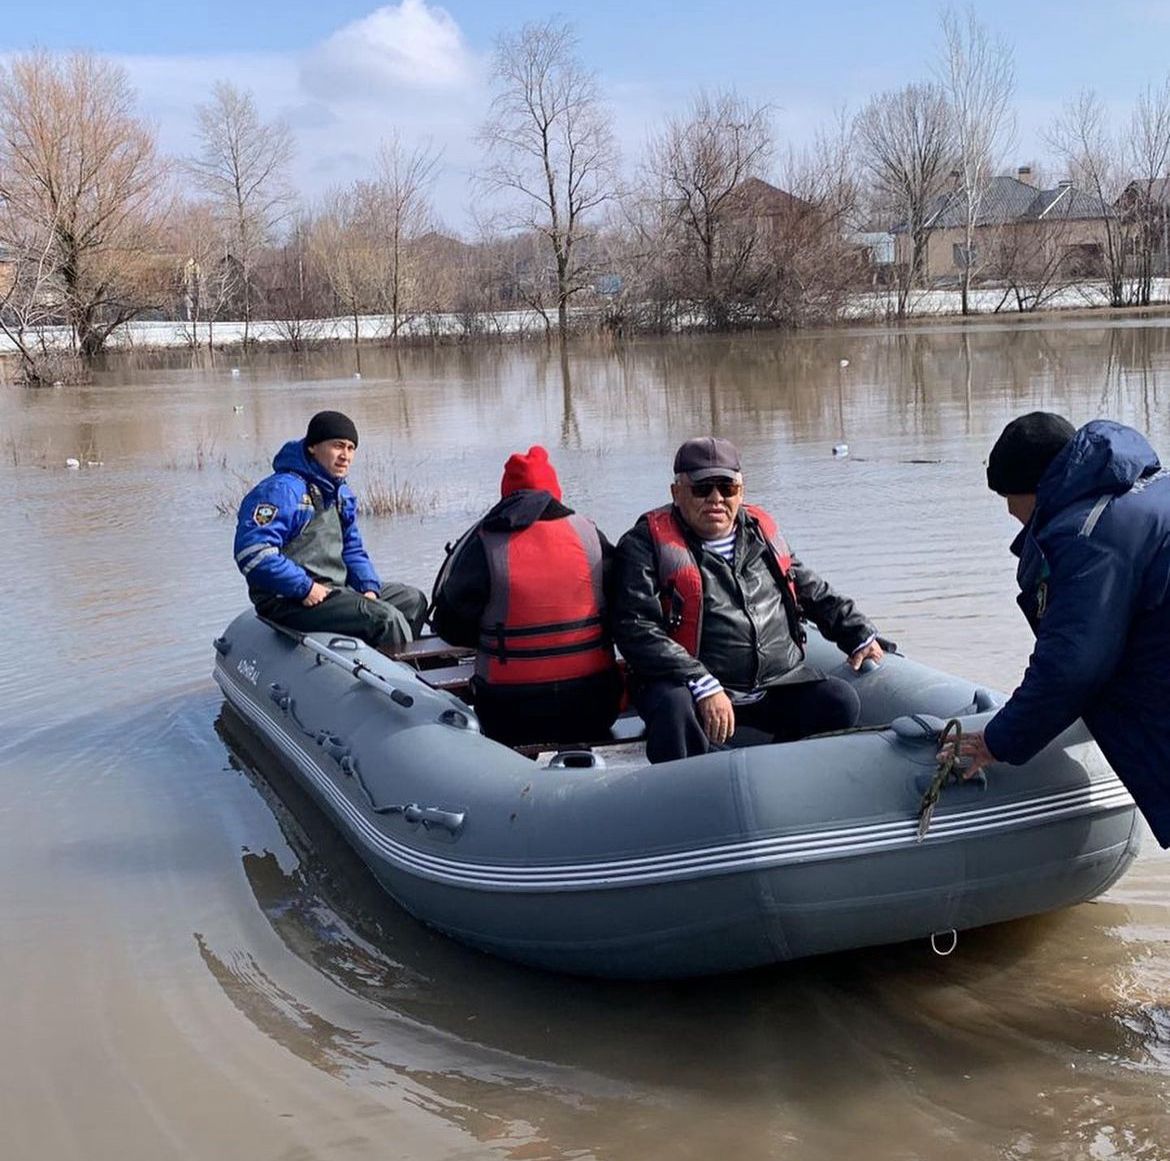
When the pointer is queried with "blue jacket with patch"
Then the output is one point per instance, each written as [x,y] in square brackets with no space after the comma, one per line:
[1094,579]
[276,511]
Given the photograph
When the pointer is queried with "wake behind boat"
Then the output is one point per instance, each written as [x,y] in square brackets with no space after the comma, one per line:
[592,861]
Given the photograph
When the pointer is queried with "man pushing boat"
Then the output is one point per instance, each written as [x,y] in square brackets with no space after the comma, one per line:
[299,548]
[708,604]
[1094,578]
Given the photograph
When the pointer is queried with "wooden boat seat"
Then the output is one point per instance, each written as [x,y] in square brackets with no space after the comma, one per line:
[430,653]
[445,666]
[455,678]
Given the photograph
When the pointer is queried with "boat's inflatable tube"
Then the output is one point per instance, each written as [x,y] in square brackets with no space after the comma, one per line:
[738,858]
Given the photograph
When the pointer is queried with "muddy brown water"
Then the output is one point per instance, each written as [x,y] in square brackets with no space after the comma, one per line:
[194,964]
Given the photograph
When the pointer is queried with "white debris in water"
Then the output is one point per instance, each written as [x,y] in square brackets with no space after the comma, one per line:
[72,463]
[844,362]
[237,408]
[235,372]
[357,374]
[840,450]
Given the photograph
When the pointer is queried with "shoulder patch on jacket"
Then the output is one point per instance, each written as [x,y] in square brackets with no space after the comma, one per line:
[263,514]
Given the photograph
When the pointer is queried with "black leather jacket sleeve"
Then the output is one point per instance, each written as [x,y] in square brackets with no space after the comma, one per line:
[837,617]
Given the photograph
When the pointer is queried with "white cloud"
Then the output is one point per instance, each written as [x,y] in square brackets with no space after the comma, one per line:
[404,68]
[410,46]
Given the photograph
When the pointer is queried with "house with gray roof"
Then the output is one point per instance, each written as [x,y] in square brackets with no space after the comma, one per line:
[1016,225]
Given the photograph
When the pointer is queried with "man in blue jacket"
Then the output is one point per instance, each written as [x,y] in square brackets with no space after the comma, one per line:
[1094,579]
[298,545]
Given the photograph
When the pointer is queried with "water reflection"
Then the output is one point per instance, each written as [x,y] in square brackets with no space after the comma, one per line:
[813,1049]
[1046,1038]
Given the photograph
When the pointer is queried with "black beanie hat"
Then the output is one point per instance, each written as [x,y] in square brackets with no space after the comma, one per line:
[330,425]
[1024,450]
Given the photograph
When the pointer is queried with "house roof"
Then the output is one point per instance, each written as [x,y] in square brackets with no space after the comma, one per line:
[757,196]
[1159,189]
[1066,203]
[1008,199]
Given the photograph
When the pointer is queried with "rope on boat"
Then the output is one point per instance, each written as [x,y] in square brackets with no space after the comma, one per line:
[947,771]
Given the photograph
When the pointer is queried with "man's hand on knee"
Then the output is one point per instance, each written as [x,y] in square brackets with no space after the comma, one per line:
[370,596]
[717,717]
[316,595]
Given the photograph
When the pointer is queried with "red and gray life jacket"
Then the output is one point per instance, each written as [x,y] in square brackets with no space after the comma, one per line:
[544,619]
[680,582]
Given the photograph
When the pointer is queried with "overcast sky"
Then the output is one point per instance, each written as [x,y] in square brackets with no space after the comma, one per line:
[343,74]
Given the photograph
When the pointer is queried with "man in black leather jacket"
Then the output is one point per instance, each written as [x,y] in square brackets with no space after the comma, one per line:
[707,607]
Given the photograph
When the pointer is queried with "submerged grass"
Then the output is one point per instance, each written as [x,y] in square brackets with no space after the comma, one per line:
[204,454]
[380,493]
[383,495]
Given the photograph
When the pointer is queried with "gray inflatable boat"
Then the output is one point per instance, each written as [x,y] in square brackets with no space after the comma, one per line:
[594,862]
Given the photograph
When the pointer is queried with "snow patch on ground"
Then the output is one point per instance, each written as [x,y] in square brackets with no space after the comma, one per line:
[875,306]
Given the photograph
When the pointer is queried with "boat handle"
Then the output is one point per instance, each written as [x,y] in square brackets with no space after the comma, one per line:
[576,760]
[450,820]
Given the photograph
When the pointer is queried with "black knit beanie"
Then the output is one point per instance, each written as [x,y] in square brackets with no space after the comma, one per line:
[330,425]
[1024,451]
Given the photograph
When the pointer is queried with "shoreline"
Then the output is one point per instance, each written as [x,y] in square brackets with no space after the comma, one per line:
[525,327]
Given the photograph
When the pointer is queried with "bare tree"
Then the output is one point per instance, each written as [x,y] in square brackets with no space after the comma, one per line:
[1091,150]
[906,142]
[242,166]
[210,279]
[548,144]
[344,244]
[1144,199]
[293,295]
[697,167]
[978,76]
[405,178]
[83,191]
[813,262]
[29,302]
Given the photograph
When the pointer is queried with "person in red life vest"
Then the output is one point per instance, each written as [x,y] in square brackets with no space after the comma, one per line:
[525,587]
[708,604]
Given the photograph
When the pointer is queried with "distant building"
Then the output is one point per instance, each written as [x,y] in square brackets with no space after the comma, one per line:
[878,253]
[7,271]
[1016,223]
[1145,207]
[772,211]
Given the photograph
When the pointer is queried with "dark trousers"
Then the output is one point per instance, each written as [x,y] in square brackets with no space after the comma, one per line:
[563,712]
[784,714]
[393,620]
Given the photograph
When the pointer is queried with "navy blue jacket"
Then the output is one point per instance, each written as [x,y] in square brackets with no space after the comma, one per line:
[276,511]
[1094,579]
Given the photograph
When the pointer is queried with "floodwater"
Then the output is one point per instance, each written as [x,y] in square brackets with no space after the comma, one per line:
[195,966]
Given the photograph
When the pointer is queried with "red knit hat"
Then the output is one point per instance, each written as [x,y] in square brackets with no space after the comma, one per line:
[530,471]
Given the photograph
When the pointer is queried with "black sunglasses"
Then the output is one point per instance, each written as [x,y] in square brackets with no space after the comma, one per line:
[727,488]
